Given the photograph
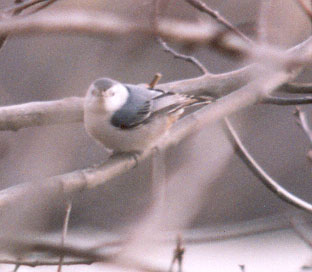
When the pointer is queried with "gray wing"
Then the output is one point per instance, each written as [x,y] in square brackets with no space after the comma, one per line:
[142,105]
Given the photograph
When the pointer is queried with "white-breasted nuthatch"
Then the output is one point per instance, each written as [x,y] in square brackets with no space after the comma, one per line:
[130,118]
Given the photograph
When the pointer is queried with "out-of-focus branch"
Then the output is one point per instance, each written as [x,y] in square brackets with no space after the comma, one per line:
[43,262]
[285,101]
[18,8]
[105,25]
[305,8]
[66,110]
[302,121]
[178,255]
[297,88]
[214,14]
[71,109]
[271,184]
[89,178]
[28,246]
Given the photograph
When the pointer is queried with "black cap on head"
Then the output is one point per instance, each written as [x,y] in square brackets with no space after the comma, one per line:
[104,84]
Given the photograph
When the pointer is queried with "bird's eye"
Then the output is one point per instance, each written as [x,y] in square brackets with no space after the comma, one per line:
[111,92]
[94,92]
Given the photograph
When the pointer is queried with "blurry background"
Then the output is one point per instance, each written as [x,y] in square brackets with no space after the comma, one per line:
[203,167]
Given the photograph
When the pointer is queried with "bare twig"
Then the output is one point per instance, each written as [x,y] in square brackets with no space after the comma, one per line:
[187,58]
[271,184]
[178,255]
[34,245]
[155,80]
[285,101]
[43,262]
[64,232]
[214,14]
[105,25]
[19,7]
[302,121]
[17,266]
[43,6]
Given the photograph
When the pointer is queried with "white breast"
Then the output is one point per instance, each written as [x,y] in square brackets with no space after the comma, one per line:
[124,140]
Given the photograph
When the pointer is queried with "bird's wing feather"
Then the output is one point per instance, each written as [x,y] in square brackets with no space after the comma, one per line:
[144,104]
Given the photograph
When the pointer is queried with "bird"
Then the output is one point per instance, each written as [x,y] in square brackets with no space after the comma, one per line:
[132,118]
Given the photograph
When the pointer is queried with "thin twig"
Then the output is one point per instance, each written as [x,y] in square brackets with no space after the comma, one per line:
[64,232]
[17,9]
[155,80]
[285,101]
[302,121]
[178,255]
[43,6]
[43,262]
[168,49]
[271,184]
[187,58]
[214,14]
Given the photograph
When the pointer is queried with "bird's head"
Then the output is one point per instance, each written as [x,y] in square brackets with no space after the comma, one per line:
[107,95]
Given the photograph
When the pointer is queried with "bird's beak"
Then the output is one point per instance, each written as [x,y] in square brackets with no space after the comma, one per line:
[97,93]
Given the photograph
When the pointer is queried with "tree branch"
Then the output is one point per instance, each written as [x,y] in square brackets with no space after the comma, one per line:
[31,114]
[285,101]
[64,232]
[214,14]
[43,262]
[303,123]
[187,58]
[271,184]
[305,8]
[70,110]
[89,178]
[105,25]
[297,88]
[28,246]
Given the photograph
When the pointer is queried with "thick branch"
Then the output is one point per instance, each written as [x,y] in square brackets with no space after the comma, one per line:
[105,25]
[71,109]
[67,110]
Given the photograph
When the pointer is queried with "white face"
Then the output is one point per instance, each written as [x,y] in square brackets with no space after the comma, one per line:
[115,97]
[109,100]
